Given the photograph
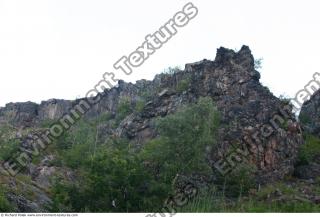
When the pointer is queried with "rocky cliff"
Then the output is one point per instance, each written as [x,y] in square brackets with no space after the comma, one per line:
[310,122]
[247,108]
[310,115]
[251,117]
[231,80]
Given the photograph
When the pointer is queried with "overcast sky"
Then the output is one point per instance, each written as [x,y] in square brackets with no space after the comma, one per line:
[61,48]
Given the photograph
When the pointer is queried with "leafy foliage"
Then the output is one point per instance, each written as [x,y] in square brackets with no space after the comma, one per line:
[309,150]
[5,206]
[139,105]
[119,179]
[79,144]
[123,109]
[184,136]
[238,182]
[305,119]
[8,144]
[171,70]
[183,85]
[115,181]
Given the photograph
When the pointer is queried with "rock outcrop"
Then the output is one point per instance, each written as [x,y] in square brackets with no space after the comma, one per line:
[251,117]
[308,172]
[310,121]
[29,114]
[246,107]
[310,115]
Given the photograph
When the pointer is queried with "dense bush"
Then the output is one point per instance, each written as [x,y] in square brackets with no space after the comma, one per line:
[309,150]
[8,144]
[123,109]
[180,149]
[119,179]
[183,85]
[139,105]
[8,148]
[115,181]
[78,144]
[5,206]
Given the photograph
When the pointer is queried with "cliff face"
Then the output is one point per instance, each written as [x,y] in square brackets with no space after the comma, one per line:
[310,115]
[246,108]
[29,114]
[310,121]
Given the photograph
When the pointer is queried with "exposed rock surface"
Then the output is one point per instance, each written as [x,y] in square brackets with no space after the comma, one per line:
[310,115]
[246,108]
[311,171]
[232,82]
[29,114]
[310,121]
[19,113]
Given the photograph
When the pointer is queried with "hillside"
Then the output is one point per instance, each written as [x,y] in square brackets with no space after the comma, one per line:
[207,138]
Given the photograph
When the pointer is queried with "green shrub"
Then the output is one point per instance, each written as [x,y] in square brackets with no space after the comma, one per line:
[77,145]
[123,109]
[47,123]
[304,118]
[184,136]
[238,182]
[171,70]
[9,145]
[102,118]
[139,105]
[8,148]
[309,149]
[76,156]
[61,201]
[120,179]
[183,85]
[5,206]
[115,181]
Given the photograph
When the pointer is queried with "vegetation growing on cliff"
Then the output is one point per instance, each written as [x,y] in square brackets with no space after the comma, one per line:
[309,150]
[8,143]
[5,206]
[119,178]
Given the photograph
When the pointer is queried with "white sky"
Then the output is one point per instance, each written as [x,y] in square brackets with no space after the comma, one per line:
[61,48]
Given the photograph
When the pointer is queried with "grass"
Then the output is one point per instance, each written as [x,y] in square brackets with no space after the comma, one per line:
[263,201]
[276,206]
